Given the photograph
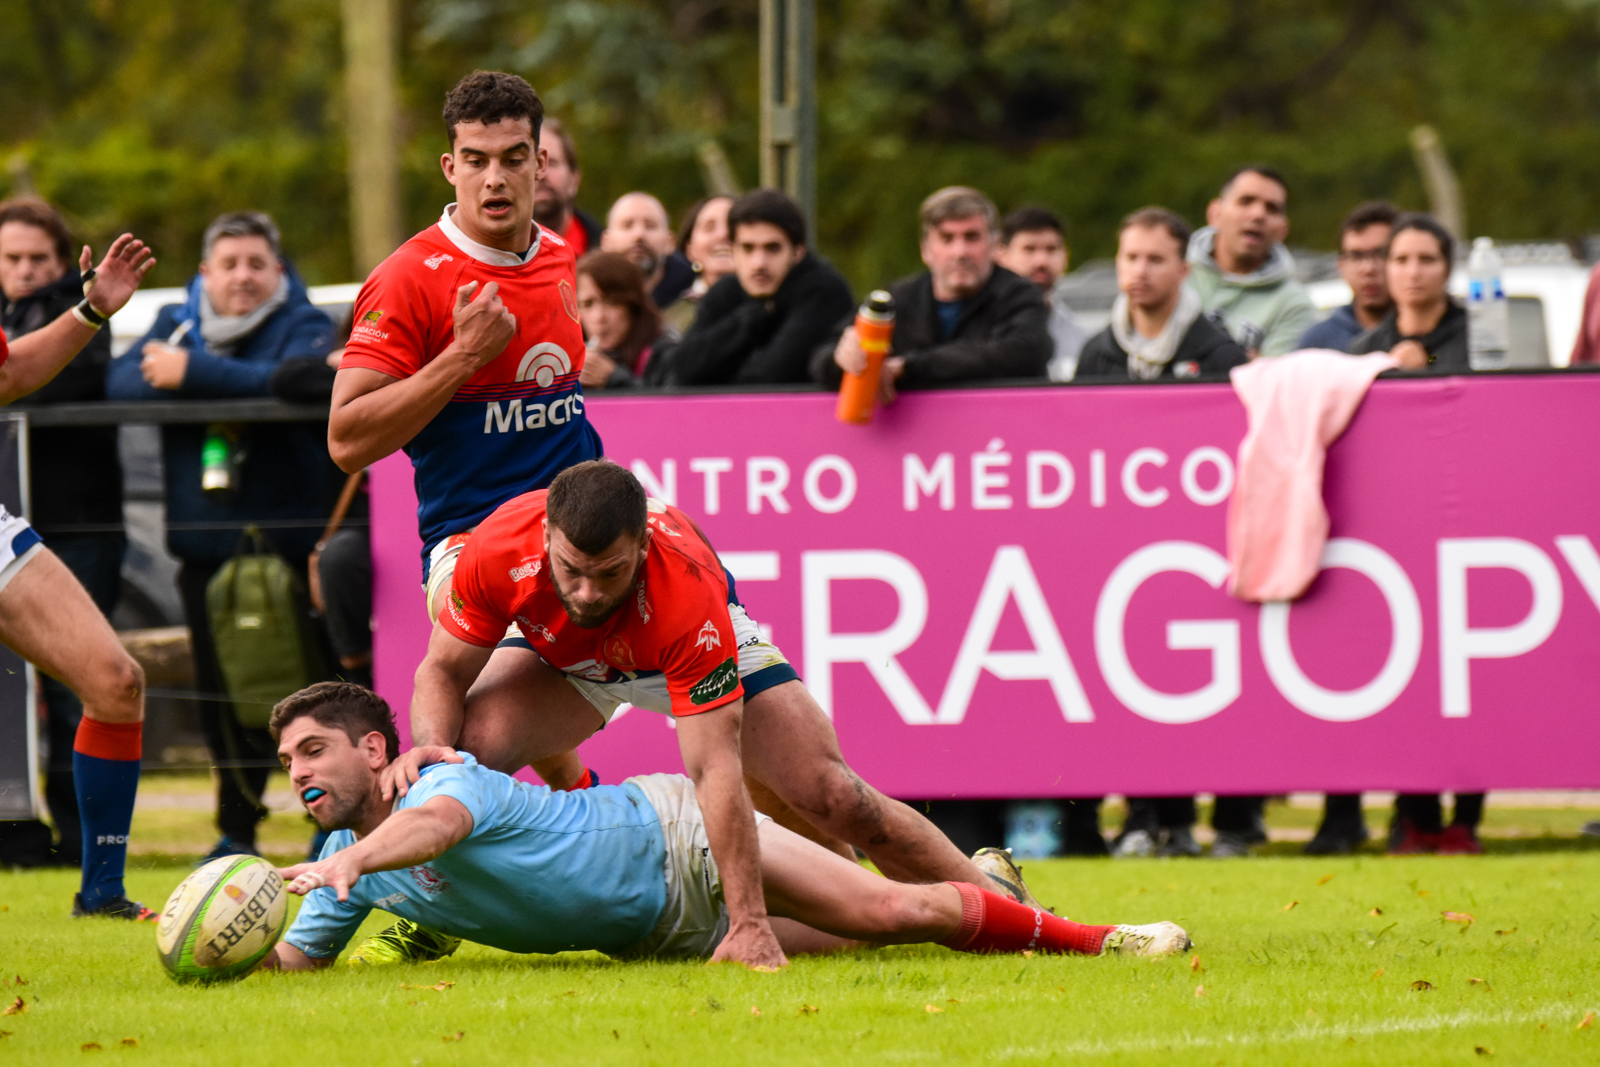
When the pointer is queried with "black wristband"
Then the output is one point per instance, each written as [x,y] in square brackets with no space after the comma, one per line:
[87,315]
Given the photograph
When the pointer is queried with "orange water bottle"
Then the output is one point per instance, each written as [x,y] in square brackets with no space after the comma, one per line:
[874,327]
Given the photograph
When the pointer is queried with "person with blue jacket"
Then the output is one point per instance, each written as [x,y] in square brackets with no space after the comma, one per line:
[247,312]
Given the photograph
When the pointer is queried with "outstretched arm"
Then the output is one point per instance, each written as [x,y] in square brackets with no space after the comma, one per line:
[405,839]
[39,356]
[710,745]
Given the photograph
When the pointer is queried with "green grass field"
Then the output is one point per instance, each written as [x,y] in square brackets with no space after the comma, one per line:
[1295,967]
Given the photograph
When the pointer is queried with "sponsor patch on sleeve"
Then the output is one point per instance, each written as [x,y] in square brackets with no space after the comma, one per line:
[723,679]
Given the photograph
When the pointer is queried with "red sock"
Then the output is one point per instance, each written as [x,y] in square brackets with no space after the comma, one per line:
[109,740]
[991,922]
[588,781]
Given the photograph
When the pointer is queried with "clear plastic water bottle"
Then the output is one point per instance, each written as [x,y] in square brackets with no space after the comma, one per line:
[1488,311]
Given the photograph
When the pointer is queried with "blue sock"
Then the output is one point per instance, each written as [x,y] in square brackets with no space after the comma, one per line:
[105,788]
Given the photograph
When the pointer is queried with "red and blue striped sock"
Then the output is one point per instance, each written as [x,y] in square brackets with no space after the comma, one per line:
[105,771]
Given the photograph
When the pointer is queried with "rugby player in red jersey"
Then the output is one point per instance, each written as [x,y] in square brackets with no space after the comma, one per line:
[620,599]
[465,353]
[47,618]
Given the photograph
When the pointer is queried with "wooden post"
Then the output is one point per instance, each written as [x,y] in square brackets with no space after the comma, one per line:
[788,100]
[372,130]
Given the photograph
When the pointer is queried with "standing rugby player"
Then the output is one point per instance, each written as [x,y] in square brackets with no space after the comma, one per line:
[48,619]
[465,352]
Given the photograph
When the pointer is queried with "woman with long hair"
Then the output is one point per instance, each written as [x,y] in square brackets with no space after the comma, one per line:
[1426,328]
[705,242]
[621,324]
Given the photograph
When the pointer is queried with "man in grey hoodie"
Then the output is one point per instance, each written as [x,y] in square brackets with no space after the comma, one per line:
[1242,271]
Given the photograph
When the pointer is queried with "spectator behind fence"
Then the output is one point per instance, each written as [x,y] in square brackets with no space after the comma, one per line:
[703,240]
[555,195]
[761,324]
[622,327]
[963,319]
[1033,244]
[343,574]
[75,482]
[637,226]
[1363,256]
[1156,330]
[1242,271]
[1426,328]
[247,311]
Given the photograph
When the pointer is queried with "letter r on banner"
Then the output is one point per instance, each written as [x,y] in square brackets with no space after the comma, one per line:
[877,651]
[1459,642]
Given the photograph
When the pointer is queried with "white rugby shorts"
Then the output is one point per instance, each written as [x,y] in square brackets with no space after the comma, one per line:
[19,543]
[695,918]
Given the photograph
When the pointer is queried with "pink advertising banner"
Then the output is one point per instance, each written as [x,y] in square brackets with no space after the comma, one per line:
[1021,592]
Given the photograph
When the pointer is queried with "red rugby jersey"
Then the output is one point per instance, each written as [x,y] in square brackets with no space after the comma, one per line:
[675,622]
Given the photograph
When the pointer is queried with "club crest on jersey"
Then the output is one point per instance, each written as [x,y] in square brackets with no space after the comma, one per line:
[526,569]
[544,363]
[429,880]
[619,653]
[433,261]
[569,300]
[708,638]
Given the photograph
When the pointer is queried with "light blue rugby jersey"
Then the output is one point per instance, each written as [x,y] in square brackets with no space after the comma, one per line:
[541,871]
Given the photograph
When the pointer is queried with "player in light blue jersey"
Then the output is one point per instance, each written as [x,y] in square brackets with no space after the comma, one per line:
[626,870]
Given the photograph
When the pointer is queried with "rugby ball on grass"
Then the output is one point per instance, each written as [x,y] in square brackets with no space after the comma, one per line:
[222,920]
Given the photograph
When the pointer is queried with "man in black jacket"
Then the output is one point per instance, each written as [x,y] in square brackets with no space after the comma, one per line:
[75,482]
[1157,330]
[761,323]
[965,319]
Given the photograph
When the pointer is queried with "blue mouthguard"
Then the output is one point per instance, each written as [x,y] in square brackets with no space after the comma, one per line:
[312,794]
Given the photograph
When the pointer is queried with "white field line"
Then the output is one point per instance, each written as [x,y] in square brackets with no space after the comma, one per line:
[1297,1034]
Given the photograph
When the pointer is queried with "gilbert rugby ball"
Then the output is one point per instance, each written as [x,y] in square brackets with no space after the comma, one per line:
[222,920]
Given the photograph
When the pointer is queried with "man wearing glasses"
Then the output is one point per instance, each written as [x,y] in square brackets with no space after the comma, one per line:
[1363,247]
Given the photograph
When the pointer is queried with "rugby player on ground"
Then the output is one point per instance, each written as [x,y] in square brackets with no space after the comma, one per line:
[465,352]
[625,869]
[47,618]
[620,599]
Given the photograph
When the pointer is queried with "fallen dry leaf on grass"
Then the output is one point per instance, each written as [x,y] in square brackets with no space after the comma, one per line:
[16,1007]
[129,1042]
[1291,905]
[932,1009]
[1505,933]
[755,1010]
[1458,917]
[459,1034]
[1325,879]
[1588,1021]
[1194,964]
[1483,1050]
[1481,981]
[1375,911]
[89,1046]
[808,1009]
[1377,973]
[438,987]
[5,1033]
[1421,986]
[1199,990]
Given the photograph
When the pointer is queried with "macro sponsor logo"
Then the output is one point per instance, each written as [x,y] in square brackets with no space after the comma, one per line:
[544,363]
[433,261]
[526,569]
[532,416]
[708,638]
[723,679]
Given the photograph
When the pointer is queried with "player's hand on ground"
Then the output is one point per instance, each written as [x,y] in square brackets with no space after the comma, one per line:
[484,326]
[849,354]
[398,778]
[339,871]
[119,274]
[752,944]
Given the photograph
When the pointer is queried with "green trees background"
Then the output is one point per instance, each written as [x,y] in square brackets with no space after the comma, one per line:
[155,115]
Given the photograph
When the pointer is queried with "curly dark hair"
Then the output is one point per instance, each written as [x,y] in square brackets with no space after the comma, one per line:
[487,96]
